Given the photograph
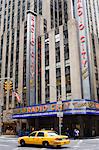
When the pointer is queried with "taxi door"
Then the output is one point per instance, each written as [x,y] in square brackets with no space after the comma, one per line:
[40,138]
[32,137]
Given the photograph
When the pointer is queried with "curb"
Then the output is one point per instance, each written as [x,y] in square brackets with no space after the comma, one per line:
[9,136]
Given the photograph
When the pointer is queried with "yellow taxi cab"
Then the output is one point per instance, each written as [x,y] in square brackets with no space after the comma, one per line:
[45,138]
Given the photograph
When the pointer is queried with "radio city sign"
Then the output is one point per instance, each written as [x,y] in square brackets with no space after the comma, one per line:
[66,106]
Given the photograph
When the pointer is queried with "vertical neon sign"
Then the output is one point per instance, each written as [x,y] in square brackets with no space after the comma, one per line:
[80,16]
[31,58]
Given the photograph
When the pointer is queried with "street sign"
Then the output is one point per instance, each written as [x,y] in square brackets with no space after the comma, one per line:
[59,114]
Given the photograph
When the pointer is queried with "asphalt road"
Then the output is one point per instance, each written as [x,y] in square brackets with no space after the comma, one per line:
[81,144]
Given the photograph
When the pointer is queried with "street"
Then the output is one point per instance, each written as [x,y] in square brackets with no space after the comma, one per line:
[81,144]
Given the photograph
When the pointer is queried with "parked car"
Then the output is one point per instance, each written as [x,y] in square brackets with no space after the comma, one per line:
[45,138]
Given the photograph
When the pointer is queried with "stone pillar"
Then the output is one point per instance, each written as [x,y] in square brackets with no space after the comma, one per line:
[74,60]
[81,122]
[36,126]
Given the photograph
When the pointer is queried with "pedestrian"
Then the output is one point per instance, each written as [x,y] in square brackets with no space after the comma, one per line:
[68,132]
[32,129]
[76,133]
[52,129]
[93,132]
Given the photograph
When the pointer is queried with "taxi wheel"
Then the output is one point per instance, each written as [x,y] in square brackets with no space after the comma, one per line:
[58,146]
[22,142]
[45,144]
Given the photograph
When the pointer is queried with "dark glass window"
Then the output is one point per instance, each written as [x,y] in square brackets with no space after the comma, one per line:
[60,11]
[45,25]
[23,10]
[17,59]
[35,6]
[7,54]
[40,134]
[33,134]
[65,12]
[57,49]
[58,82]
[18,13]
[12,52]
[56,14]
[52,14]
[47,92]
[47,52]
[1,47]
[28,5]
[40,7]
[24,54]
[67,80]
[66,46]
[56,31]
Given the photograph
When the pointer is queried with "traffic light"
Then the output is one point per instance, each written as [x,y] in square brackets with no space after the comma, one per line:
[5,85]
[1,112]
[1,115]
[11,85]
[61,121]
[8,85]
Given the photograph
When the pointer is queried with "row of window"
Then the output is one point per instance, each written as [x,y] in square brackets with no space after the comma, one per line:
[38,6]
[56,9]
[58,83]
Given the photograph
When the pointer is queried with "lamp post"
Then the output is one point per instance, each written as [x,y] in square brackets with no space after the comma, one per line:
[59,113]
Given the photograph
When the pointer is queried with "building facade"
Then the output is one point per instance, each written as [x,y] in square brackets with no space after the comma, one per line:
[65,55]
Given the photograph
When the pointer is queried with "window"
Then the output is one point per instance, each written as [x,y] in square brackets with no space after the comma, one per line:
[28,5]
[66,46]
[52,134]
[23,10]
[52,15]
[45,25]
[12,50]
[35,6]
[57,49]
[65,12]
[33,134]
[40,134]
[58,82]
[47,91]
[47,52]
[67,80]
[56,15]
[56,31]
[60,11]
[40,7]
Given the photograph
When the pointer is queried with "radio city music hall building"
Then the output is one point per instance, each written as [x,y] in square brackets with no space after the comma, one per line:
[50,52]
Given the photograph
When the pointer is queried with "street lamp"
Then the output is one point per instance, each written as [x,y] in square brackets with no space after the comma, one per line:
[59,113]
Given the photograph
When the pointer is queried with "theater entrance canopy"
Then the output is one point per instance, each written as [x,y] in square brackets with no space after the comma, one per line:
[68,107]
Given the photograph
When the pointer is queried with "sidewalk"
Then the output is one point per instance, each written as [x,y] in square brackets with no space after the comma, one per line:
[8,136]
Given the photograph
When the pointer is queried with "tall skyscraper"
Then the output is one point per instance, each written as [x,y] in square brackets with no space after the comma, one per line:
[49,50]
